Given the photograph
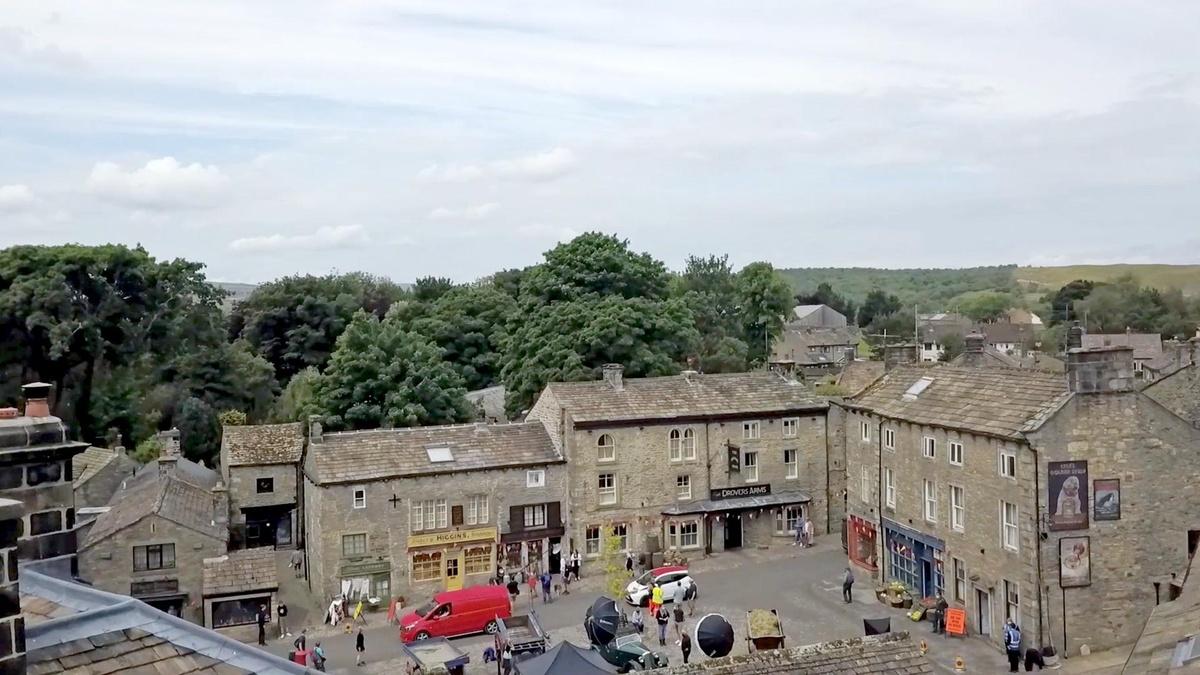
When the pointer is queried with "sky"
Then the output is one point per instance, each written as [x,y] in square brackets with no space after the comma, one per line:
[458,138]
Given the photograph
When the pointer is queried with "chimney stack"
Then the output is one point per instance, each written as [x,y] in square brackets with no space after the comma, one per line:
[613,375]
[37,399]
[1101,370]
[1075,337]
[898,355]
[220,503]
[315,432]
[973,342]
[12,626]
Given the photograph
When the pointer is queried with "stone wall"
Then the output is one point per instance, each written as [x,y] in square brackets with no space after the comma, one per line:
[12,625]
[108,564]
[243,492]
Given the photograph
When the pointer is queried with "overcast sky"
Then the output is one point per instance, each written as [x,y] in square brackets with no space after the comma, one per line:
[457,138]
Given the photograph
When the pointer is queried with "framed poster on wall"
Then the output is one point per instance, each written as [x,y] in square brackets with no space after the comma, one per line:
[1074,561]
[1068,495]
[1106,498]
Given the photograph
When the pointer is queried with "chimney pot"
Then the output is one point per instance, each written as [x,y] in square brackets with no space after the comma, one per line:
[8,413]
[37,399]
[1075,337]
[614,375]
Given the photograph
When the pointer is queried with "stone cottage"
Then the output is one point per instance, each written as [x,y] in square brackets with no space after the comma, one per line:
[407,512]
[261,464]
[99,473]
[235,585]
[693,462]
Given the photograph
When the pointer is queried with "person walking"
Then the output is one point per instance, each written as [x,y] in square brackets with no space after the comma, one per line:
[514,588]
[533,584]
[281,610]
[677,614]
[1012,645]
[685,645]
[575,563]
[360,648]
[939,621]
[808,533]
[318,657]
[262,617]
[506,660]
[546,581]
[679,596]
[297,562]
[663,618]
[690,597]
[629,562]
[848,586]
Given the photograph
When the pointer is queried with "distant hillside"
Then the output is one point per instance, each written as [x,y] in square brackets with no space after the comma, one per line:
[237,292]
[1184,277]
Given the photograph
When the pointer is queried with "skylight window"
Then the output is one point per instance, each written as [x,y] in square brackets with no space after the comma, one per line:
[440,454]
[917,387]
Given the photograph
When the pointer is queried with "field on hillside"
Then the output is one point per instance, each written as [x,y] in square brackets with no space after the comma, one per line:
[1162,277]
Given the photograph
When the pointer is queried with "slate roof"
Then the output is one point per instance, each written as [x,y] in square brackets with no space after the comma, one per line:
[391,453]
[95,632]
[258,444]
[186,470]
[1000,402]
[888,653]
[89,463]
[858,375]
[1145,345]
[1007,332]
[990,356]
[166,496]
[684,396]
[1179,392]
[240,571]
[795,344]
[1169,624]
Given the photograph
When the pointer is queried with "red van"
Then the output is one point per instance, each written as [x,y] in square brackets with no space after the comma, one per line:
[468,610]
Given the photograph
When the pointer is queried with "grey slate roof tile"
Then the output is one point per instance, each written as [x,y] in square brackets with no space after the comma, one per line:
[239,571]
[167,496]
[258,444]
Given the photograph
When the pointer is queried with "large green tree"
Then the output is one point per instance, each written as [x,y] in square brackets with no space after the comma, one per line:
[764,299]
[825,295]
[709,287]
[877,305]
[383,375]
[467,322]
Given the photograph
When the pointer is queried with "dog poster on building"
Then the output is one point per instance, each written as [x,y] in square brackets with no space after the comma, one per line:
[1106,498]
[1068,500]
[1074,561]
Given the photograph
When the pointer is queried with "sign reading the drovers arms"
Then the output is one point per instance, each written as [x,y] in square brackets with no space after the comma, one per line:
[717,494]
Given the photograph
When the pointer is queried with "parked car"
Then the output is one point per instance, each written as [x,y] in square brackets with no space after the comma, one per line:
[637,593]
[461,612]
[627,652]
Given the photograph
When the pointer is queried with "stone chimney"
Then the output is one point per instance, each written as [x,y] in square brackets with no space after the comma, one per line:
[220,503]
[1196,350]
[898,355]
[168,456]
[1075,337]
[37,399]
[315,432]
[12,626]
[973,342]
[1102,370]
[613,375]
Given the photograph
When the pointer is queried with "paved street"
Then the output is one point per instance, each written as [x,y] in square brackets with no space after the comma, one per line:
[803,584]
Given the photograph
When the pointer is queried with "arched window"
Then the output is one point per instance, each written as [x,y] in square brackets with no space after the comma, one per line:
[673,445]
[606,449]
[689,444]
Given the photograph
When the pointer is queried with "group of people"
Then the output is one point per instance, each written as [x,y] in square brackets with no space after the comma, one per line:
[1012,639]
[683,597]
[316,657]
[804,533]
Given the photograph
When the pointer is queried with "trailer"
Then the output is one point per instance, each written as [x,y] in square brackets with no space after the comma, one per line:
[764,630]
[523,634]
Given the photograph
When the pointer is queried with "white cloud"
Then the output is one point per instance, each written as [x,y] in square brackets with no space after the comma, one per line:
[476,212]
[328,237]
[542,166]
[161,184]
[540,231]
[15,197]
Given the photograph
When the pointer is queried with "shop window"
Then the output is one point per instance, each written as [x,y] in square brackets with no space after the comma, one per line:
[750,466]
[791,463]
[153,557]
[240,612]
[791,427]
[591,541]
[606,485]
[689,534]
[960,581]
[478,560]
[787,519]
[427,566]
[606,449]
[354,545]
[381,586]
[683,487]
[903,564]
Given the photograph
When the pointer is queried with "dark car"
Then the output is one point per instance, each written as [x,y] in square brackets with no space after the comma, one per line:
[627,652]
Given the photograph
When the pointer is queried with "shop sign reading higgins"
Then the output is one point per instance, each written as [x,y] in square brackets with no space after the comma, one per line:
[717,494]
[453,537]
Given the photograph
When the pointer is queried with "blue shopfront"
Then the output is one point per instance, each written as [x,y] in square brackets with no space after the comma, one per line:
[914,559]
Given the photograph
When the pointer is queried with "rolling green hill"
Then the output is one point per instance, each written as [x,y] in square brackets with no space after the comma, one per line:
[1184,277]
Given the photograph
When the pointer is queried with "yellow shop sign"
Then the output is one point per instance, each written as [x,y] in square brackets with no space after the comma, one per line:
[454,537]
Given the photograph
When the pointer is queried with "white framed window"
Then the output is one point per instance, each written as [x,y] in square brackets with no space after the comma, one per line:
[929,447]
[791,463]
[960,581]
[442,512]
[689,444]
[1008,462]
[864,430]
[360,498]
[751,431]
[606,485]
[354,545]
[416,515]
[787,519]
[889,491]
[1009,531]
[1012,601]
[689,534]
[535,516]
[621,532]
[606,449]
[428,514]
[683,487]
[535,478]
[865,484]
[477,510]
[750,466]
[930,501]
[958,508]
[889,439]
[675,445]
[956,453]
[791,427]
[591,540]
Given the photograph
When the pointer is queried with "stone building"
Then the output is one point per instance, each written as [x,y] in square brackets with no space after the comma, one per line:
[1024,494]
[699,463]
[235,585]
[261,464]
[407,512]
[99,473]
[152,541]
[1179,390]
[820,316]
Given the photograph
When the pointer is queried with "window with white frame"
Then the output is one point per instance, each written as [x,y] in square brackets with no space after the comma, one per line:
[606,485]
[1012,601]
[360,498]
[889,439]
[1008,462]
[865,484]
[864,430]
[689,444]
[591,540]
[477,510]
[689,534]
[956,453]
[1009,531]
[535,478]
[929,447]
[958,508]
[606,449]
[750,466]
[960,581]
[750,430]
[889,491]
[441,511]
[621,532]
[428,514]
[931,501]
[791,427]
[675,445]
[787,519]
[535,516]
[683,487]
[791,463]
